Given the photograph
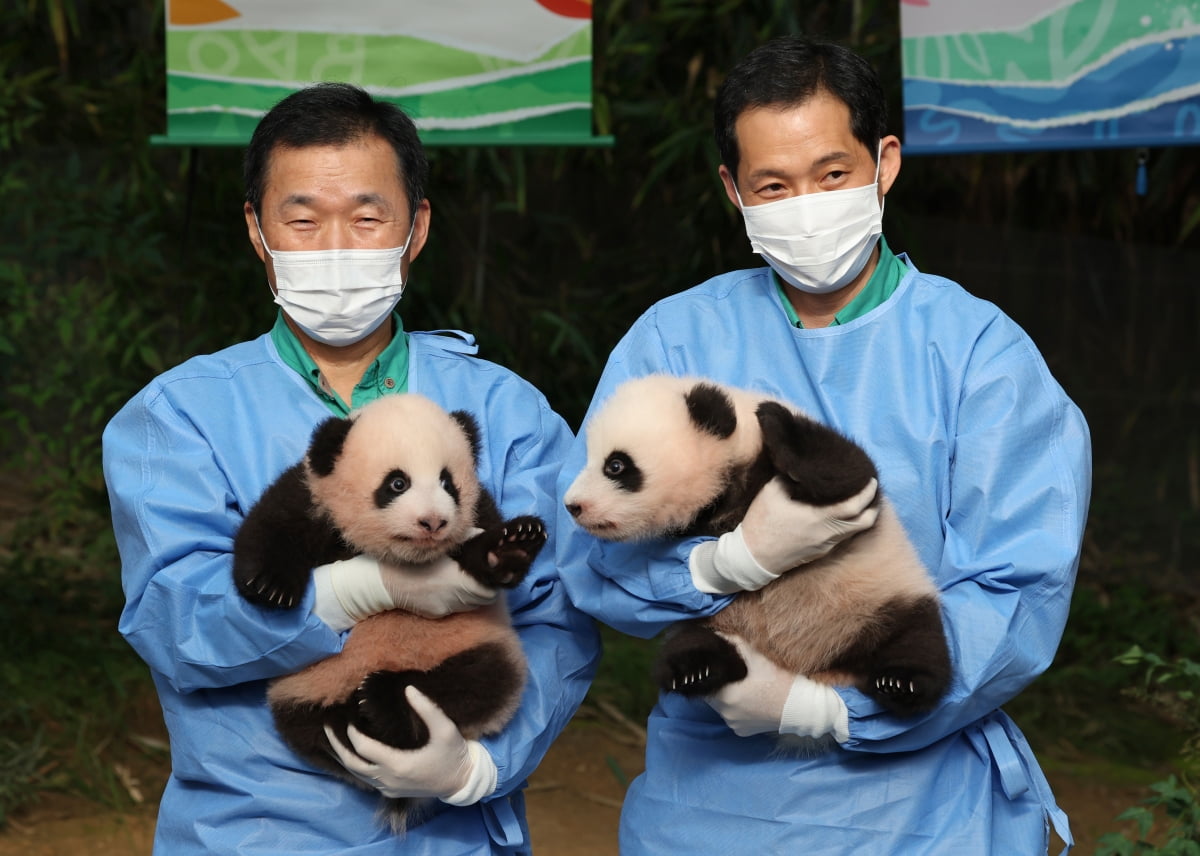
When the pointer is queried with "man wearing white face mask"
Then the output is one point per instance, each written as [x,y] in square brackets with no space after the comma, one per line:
[336,209]
[985,459]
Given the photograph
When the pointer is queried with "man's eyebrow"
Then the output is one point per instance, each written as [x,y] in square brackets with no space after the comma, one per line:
[304,199]
[766,172]
[370,199]
[774,172]
[296,199]
[830,157]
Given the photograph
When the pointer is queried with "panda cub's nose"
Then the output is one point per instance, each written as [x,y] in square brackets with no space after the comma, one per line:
[574,508]
[432,525]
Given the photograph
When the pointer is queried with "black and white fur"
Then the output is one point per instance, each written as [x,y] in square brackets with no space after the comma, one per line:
[671,456]
[396,481]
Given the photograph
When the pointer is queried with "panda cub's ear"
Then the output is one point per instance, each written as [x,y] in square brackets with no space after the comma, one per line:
[470,428]
[711,410]
[326,446]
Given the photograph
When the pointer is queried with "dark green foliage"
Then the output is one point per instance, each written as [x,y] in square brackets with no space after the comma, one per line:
[119,259]
[1080,706]
[19,764]
[1172,688]
[624,676]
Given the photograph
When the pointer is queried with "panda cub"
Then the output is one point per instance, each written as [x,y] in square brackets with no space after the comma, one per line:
[396,481]
[672,456]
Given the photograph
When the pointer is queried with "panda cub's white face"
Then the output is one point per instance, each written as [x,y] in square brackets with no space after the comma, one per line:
[649,470]
[404,487]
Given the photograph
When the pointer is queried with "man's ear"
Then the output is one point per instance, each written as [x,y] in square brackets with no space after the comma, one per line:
[252,232]
[889,162]
[420,229]
[730,185]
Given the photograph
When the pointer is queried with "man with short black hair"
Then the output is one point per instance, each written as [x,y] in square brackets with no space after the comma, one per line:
[336,209]
[983,456]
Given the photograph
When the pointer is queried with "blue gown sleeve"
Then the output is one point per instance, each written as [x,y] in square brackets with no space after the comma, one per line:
[1020,482]
[561,643]
[175,511]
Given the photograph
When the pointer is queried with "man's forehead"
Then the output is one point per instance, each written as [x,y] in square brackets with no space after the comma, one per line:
[817,133]
[362,172]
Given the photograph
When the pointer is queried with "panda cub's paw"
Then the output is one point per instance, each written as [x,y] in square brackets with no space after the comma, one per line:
[500,557]
[381,710]
[904,692]
[695,661]
[265,588]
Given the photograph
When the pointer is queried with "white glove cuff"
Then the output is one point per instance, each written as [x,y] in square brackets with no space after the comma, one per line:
[481,781]
[814,710]
[349,591]
[726,566]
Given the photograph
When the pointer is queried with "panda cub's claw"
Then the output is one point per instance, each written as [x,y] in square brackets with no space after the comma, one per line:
[269,592]
[905,692]
[680,683]
[694,676]
[893,686]
[694,661]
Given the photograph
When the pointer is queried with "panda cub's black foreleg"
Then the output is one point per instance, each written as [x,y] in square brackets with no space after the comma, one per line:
[695,661]
[470,687]
[816,464]
[500,556]
[279,543]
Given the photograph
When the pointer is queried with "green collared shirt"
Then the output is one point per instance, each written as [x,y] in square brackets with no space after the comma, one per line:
[388,374]
[887,275]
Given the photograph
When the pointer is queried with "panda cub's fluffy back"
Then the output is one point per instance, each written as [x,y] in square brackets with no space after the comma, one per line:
[402,484]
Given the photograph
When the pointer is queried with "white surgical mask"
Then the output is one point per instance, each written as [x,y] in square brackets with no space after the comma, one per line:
[818,242]
[338,297]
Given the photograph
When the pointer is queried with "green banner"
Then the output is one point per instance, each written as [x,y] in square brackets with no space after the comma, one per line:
[469,72]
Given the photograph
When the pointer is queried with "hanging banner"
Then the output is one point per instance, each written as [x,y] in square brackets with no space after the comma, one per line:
[981,75]
[469,72]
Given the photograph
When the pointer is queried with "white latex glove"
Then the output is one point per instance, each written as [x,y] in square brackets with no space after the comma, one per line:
[776,535]
[770,700]
[449,767]
[350,590]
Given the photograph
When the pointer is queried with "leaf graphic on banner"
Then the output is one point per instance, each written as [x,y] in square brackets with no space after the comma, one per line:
[568,8]
[186,13]
[1063,63]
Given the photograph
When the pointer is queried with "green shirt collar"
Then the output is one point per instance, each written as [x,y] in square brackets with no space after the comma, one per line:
[387,374]
[883,282]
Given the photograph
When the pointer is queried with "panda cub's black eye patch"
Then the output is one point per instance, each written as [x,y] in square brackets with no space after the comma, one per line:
[449,486]
[620,469]
[393,485]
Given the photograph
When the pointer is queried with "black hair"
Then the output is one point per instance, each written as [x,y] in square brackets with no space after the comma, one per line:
[333,114]
[787,72]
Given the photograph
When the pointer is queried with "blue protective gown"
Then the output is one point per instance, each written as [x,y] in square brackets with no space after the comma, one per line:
[184,460]
[988,465]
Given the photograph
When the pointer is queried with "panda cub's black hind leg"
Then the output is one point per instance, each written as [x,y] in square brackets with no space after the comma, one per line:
[302,727]
[381,710]
[500,556]
[470,687]
[695,661]
[910,672]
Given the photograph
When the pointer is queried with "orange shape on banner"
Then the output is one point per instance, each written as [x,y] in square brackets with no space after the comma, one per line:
[569,8]
[190,12]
